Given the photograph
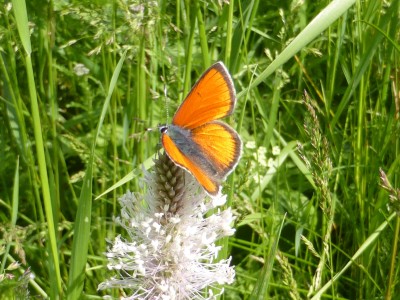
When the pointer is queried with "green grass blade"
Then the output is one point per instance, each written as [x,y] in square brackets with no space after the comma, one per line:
[15,198]
[14,213]
[364,64]
[203,35]
[189,52]
[147,164]
[261,288]
[23,30]
[324,19]
[21,17]
[368,242]
[229,33]
[83,216]
[242,31]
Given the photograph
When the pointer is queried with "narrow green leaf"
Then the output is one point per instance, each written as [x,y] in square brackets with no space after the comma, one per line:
[83,216]
[54,265]
[322,21]
[21,17]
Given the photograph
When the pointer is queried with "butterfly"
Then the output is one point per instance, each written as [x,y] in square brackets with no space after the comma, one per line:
[196,140]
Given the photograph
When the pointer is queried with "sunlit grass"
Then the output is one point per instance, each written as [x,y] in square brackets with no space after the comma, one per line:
[312,221]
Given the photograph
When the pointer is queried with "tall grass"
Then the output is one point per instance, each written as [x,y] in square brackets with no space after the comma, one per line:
[82,81]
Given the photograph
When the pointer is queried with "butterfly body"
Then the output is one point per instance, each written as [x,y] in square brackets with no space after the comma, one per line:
[209,149]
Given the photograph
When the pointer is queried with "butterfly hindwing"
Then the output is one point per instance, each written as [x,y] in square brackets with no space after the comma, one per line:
[182,160]
[209,152]
[222,145]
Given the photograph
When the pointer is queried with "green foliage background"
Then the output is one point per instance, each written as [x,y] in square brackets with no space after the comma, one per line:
[81,81]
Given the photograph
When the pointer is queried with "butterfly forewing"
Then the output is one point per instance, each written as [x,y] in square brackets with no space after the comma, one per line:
[211,98]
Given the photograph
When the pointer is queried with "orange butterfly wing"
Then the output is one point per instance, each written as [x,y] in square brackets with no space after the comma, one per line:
[183,161]
[209,152]
[221,144]
[211,98]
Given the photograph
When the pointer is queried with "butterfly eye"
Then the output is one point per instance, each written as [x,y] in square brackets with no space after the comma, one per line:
[163,129]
